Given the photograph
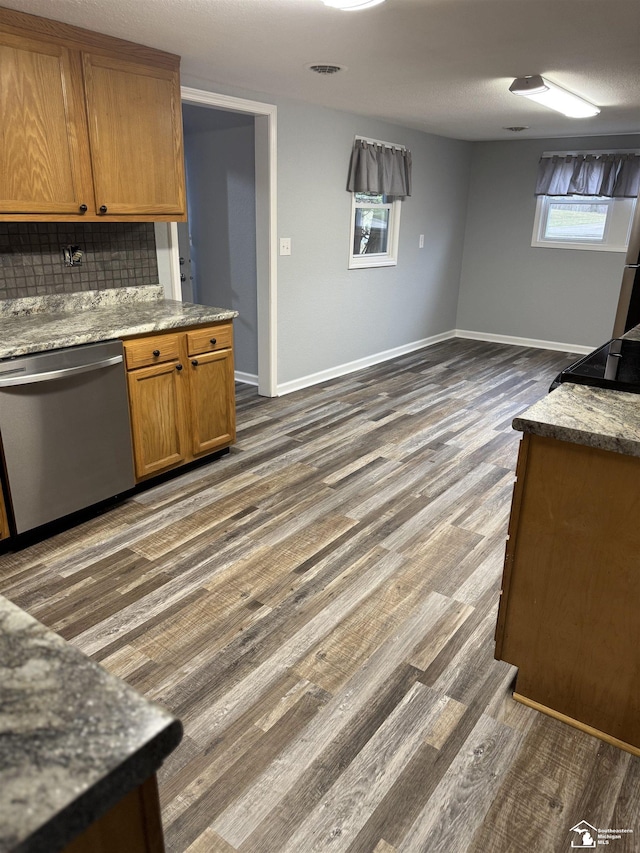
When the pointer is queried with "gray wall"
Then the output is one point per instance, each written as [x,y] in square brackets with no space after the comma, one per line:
[220,164]
[328,315]
[507,286]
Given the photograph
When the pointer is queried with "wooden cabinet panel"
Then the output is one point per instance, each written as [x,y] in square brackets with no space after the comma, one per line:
[4,524]
[133,825]
[135,135]
[568,616]
[157,395]
[212,401]
[154,350]
[211,338]
[43,163]
[91,126]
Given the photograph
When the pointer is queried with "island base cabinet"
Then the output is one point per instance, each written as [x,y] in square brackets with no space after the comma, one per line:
[184,406]
[569,616]
[132,826]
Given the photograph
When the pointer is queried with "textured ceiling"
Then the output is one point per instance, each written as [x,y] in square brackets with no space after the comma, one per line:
[442,66]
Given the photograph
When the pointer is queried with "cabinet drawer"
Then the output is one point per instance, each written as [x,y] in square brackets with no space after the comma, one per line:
[209,339]
[154,350]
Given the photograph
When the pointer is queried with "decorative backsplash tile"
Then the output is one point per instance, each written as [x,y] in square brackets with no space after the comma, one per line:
[114,254]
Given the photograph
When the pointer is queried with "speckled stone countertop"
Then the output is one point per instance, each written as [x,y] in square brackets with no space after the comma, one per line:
[596,417]
[44,323]
[73,739]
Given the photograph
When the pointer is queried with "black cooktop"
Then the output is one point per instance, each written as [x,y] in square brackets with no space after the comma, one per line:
[615,365]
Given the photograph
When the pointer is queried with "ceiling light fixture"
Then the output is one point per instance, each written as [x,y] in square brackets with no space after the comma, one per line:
[351,5]
[554,97]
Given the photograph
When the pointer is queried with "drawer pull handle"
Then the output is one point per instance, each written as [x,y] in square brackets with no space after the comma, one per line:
[156,352]
[195,362]
[213,341]
[103,208]
[178,367]
[83,208]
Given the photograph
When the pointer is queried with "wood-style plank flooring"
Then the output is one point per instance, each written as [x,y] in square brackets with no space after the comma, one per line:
[318,608]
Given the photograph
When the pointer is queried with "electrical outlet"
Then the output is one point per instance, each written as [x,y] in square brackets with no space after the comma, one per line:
[285,245]
[421,242]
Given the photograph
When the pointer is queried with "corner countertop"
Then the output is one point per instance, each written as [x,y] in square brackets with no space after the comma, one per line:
[73,738]
[45,323]
[609,420]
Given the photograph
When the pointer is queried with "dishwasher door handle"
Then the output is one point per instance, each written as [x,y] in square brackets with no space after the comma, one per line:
[62,373]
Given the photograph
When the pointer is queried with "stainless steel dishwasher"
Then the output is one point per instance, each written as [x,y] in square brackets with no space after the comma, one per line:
[64,427]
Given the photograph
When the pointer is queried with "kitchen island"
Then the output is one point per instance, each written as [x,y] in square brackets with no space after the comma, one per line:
[79,749]
[569,617]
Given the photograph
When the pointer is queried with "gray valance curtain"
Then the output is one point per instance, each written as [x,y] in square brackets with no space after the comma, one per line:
[377,168]
[612,175]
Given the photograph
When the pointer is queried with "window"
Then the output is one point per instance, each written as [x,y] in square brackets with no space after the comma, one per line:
[583,222]
[375,227]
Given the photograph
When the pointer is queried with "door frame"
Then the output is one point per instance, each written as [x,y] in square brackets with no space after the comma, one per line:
[266,227]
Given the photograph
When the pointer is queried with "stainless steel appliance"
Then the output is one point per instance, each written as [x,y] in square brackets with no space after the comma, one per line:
[64,427]
[628,313]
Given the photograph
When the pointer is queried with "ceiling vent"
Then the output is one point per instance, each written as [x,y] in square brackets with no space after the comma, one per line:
[325,68]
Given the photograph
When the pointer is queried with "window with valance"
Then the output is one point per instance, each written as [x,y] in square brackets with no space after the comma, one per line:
[379,179]
[585,200]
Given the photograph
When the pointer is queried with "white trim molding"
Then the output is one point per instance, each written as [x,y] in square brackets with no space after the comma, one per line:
[266,223]
[579,349]
[360,363]
[246,378]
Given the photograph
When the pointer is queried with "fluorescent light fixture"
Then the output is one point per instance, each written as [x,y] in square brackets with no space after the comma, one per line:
[351,5]
[544,92]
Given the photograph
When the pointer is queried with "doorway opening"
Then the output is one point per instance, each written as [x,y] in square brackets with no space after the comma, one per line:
[238,252]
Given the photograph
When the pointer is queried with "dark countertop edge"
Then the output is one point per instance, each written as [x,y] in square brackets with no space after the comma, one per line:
[71,821]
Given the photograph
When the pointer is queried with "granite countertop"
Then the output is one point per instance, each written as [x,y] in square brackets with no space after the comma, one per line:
[52,322]
[73,739]
[580,414]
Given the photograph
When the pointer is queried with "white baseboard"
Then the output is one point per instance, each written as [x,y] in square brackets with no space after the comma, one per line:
[247,378]
[360,363]
[580,349]
[386,355]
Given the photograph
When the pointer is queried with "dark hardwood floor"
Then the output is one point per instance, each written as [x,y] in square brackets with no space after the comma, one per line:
[318,607]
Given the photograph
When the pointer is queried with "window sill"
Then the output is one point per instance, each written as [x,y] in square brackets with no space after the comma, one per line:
[371,262]
[583,247]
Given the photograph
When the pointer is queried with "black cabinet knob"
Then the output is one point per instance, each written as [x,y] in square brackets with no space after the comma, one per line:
[213,341]
[156,352]
[83,208]
[195,362]
[178,367]
[103,208]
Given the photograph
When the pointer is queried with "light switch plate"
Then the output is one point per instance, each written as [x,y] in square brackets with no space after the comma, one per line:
[285,245]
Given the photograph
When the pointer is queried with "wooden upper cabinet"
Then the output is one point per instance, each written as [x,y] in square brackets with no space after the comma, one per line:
[135,135]
[91,126]
[43,164]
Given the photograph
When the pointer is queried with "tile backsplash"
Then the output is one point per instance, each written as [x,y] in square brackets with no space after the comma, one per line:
[114,254]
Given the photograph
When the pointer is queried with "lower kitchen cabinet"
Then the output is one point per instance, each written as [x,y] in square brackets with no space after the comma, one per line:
[568,616]
[4,524]
[156,397]
[182,396]
[133,825]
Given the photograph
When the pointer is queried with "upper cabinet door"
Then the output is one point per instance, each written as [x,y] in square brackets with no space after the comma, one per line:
[43,164]
[135,134]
